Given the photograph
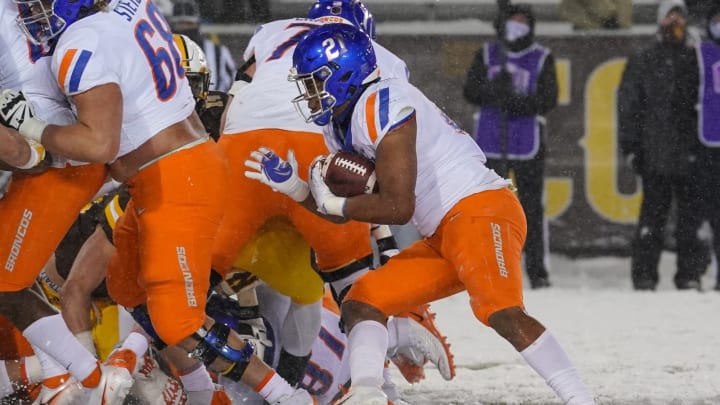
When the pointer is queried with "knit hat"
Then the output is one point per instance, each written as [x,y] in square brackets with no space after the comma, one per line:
[666,6]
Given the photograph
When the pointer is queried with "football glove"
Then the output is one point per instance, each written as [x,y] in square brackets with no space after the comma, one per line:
[270,169]
[16,112]
[327,203]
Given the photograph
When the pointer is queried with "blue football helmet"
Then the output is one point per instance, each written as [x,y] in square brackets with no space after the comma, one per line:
[43,20]
[330,67]
[344,11]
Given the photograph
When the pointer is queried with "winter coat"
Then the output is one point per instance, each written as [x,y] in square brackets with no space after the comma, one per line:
[657,116]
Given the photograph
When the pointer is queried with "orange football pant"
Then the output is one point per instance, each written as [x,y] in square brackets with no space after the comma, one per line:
[164,241]
[35,214]
[477,247]
[251,203]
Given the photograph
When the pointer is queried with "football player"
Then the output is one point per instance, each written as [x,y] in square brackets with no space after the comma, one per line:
[118,65]
[259,115]
[37,210]
[474,226]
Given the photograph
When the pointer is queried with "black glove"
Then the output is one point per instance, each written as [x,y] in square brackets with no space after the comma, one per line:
[499,88]
[512,104]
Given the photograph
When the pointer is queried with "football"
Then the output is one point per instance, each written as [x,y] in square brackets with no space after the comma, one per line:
[349,174]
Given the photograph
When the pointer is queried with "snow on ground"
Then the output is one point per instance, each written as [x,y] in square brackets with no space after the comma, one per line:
[631,347]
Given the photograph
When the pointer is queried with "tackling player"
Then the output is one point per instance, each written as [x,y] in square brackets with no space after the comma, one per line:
[37,210]
[118,65]
[474,226]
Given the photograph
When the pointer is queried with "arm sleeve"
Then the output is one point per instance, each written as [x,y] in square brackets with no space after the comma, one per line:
[543,100]
[629,107]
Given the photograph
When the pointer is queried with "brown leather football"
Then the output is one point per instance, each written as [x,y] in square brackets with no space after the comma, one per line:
[349,174]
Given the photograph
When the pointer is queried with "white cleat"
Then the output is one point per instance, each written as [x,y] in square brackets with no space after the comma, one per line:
[426,346]
[361,395]
[154,387]
[114,386]
[67,393]
[298,397]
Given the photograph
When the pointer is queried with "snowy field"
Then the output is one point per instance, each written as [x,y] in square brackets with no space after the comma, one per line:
[631,347]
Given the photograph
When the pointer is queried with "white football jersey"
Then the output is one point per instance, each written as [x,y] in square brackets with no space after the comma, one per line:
[26,67]
[266,101]
[132,46]
[450,165]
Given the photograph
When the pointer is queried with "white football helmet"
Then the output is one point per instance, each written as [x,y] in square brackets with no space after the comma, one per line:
[195,65]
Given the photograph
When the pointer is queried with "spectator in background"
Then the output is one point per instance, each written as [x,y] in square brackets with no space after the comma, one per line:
[185,20]
[597,14]
[513,81]
[709,124]
[700,9]
[658,124]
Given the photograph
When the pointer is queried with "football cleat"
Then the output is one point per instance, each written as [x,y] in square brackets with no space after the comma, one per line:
[123,358]
[115,382]
[66,391]
[298,397]
[361,395]
[154,387]
[427,344]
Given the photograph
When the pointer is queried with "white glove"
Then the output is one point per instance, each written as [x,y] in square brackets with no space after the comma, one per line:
[16,112]
[327,202]
[280,175]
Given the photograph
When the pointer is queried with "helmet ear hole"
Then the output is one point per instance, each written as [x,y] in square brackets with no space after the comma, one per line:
[344,78]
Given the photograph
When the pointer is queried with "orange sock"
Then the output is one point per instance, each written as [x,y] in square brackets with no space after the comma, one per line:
[93,380]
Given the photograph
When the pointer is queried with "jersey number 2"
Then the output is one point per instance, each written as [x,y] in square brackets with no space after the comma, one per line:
[156,41]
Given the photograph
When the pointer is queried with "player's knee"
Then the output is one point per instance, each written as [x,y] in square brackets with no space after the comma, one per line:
[212,343]
[353,312]
[343,278]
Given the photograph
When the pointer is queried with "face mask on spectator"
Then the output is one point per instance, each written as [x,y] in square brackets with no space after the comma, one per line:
[515,30]
[715,30]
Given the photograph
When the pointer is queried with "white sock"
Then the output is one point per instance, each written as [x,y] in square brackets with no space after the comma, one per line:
[86,339]
[398,334]
[137,343]
[51,335]
[274,388]
[33,370]
[6,386]
[389,387]
[301,328]
[197,379]
[547,358]
[367,344]
[50,367]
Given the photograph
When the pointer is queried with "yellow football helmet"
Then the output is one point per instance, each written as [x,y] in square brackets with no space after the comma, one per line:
[195,65]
